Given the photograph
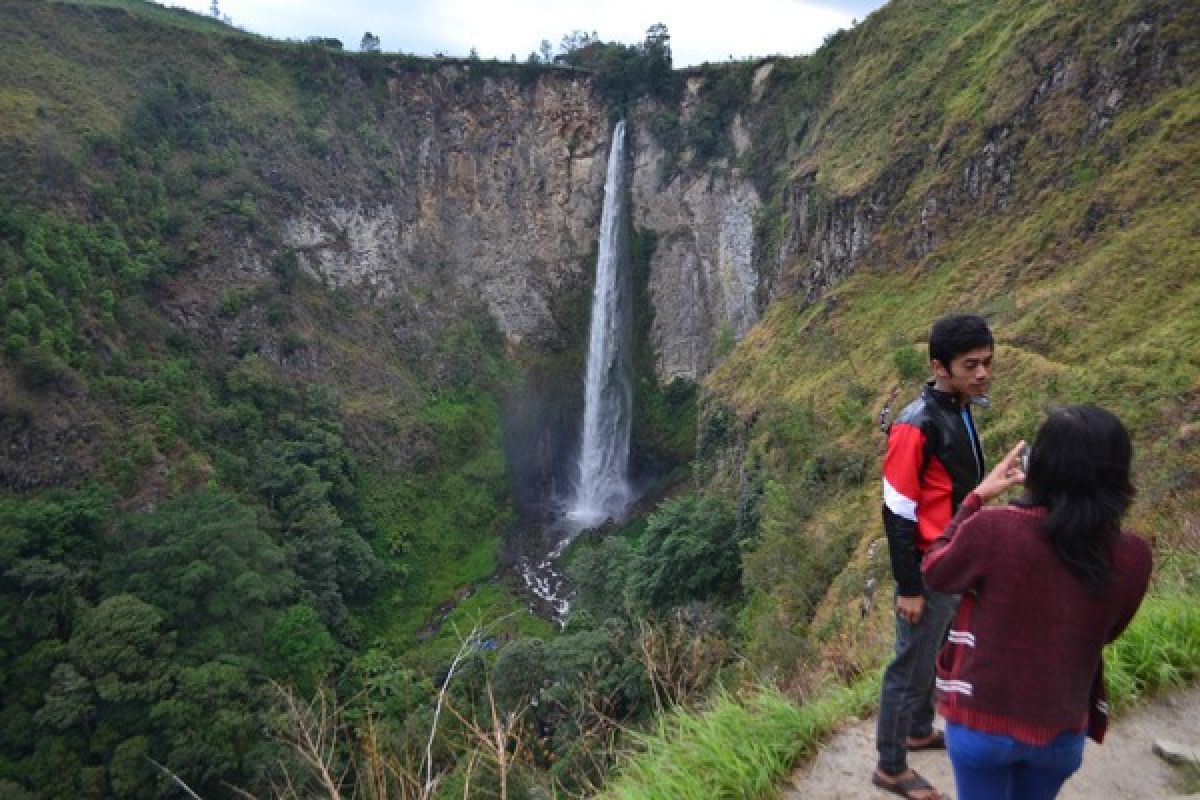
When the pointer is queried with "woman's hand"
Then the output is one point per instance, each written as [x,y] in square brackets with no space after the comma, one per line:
[1003,476]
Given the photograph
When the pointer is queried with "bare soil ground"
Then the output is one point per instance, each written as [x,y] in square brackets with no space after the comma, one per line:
[1123,767]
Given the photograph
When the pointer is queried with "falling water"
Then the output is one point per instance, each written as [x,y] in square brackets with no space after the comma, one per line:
[601,488]
[602,485]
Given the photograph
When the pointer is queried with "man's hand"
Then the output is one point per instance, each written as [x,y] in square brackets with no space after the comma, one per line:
[910,609]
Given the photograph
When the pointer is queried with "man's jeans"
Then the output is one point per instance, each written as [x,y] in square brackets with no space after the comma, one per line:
[991,767]
[906,704]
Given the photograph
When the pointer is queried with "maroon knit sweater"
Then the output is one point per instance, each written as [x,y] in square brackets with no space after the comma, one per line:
[1022,653]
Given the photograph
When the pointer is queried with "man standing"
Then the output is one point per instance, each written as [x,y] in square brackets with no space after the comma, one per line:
[933,461]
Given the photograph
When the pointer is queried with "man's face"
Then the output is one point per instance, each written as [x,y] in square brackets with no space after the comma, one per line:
[969,373]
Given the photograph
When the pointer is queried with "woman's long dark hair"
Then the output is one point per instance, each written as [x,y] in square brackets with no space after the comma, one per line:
[1079,471]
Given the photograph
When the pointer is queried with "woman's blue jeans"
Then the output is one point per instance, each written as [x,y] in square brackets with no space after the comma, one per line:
[991,767]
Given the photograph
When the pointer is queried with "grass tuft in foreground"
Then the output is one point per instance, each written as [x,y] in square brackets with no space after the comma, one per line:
[738,748]
[1159,650]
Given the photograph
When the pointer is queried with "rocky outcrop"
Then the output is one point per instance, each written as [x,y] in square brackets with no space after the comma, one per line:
[703,278]
[495,193]
[48,436]
[827,236]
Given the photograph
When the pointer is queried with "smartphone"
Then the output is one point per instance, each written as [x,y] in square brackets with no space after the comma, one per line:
[1025,460]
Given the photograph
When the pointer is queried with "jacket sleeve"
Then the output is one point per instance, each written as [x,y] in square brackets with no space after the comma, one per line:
[901,490]
[906,559]
[955,560]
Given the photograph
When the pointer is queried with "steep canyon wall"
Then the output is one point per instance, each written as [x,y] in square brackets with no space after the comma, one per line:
[499,186]
[495,189]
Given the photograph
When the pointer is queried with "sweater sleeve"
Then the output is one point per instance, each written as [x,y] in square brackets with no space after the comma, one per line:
[901,490]
[1139,568]
[955,560]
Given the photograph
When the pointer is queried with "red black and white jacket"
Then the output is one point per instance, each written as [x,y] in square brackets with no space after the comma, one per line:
[933,461]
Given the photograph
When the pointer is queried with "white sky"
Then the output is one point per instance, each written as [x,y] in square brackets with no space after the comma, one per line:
[701,30]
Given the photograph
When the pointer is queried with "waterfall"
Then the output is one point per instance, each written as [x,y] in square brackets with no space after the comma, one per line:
[602,485]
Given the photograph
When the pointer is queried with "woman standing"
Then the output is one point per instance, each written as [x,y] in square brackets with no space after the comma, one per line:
[1046,583]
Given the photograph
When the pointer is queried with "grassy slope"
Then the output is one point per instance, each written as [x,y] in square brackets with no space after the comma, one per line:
[1106,317]
[936,73]
[744,746]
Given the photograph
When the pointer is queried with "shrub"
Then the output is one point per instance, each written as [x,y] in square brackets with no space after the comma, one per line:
[40,367]
[15,344]
[910,363]
[739,747]
[688,552]
[1159,650]
[17,323]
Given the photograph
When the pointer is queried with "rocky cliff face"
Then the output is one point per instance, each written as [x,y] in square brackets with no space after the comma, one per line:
[704,279]
[495,191]
[465,183]
[1062,102]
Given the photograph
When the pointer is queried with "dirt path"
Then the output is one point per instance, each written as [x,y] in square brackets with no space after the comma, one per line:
[1123,767]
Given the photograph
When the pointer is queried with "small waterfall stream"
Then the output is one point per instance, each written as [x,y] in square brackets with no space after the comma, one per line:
[601,489]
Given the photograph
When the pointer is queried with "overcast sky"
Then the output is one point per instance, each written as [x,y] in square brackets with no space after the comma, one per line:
[701,30]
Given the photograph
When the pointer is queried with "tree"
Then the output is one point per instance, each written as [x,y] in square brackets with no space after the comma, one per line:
[657,49]
[370,43]
[209,726]
[599,572]
[203,559]
[576,40]
[547,51]
[520,673]
[328,42]
[305,479]
[127,772]
[69,702]
[689,552]
[300,648]
[658,41]
[121,647]
[389,689]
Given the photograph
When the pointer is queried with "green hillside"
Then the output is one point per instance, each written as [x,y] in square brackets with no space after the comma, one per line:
[217,480]
[1085,264]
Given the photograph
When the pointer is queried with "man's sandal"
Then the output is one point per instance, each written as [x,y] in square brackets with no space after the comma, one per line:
[934,741]
[905,787]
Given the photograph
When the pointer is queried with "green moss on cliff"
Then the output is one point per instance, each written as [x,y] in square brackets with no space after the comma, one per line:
[664,417]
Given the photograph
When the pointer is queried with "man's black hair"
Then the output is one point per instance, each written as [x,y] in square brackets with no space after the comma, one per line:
[954,335]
